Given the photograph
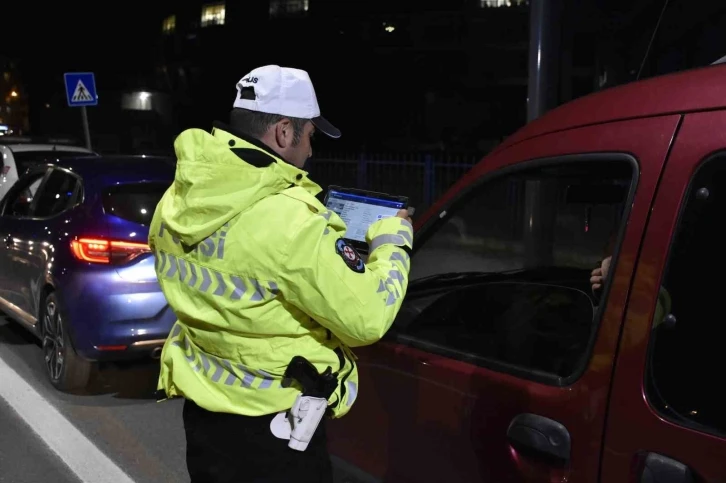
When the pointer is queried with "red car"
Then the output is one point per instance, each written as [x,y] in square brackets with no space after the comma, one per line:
[506,364]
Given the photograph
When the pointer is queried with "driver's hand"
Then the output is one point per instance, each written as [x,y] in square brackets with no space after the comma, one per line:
[599,274]
[596,279]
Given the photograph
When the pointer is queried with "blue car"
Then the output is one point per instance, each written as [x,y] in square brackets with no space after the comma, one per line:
[75,266]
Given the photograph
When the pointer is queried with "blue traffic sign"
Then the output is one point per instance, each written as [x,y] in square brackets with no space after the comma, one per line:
[81,89]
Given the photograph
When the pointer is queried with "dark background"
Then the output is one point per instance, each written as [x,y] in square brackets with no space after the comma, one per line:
[450,76]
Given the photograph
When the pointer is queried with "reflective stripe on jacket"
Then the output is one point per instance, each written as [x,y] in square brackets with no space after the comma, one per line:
[256,271]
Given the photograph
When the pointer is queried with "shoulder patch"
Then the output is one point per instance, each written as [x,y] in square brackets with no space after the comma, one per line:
[350,256]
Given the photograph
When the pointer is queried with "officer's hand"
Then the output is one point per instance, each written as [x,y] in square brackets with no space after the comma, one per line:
[404,214]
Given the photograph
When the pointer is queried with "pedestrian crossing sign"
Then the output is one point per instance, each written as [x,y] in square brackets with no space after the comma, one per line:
[81,89]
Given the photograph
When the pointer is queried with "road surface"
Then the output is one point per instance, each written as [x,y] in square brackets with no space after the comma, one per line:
[115,433]
[119,417]
[24,457]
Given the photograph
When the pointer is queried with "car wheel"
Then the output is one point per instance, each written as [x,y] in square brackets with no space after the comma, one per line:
[66,369]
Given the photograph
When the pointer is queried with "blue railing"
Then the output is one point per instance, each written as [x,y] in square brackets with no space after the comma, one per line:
[421,177]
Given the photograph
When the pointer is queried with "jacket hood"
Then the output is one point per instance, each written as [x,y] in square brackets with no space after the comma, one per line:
[218,176]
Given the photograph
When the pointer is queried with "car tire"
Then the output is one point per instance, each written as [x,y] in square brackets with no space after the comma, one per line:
[66,370]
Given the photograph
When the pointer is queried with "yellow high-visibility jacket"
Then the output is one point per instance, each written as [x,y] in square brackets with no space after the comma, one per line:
[256,271]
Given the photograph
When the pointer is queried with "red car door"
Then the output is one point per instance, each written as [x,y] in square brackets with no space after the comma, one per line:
[668,416]
[498,368]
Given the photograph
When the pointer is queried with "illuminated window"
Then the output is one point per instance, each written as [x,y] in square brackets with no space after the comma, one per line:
[502,3]
[213,14]
[169,24]
[280,8]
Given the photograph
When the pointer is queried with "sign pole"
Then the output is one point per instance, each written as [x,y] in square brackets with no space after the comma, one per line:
[86,130]
[81,92]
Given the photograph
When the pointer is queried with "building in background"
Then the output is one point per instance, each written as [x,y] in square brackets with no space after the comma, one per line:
[128,121]
[396,75]
[116,43]
[13,100]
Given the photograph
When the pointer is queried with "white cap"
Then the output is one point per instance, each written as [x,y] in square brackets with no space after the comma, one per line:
[284,91]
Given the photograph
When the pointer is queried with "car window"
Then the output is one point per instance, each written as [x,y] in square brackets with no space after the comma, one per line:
[58,194]
[504,278]
[686,353]
[134,202]
[19,200]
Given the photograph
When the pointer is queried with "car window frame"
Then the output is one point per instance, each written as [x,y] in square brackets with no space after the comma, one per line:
[65,153]
[78,193]
[683,422]
[14,188]
[4,151]
[437,220]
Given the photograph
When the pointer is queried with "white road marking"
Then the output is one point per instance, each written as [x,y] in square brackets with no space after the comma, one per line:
[81,456]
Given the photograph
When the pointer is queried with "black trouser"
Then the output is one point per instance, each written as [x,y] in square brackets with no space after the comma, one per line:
[229,448]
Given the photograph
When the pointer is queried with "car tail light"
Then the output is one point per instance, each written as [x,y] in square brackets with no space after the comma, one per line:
[98,250]
[110,347]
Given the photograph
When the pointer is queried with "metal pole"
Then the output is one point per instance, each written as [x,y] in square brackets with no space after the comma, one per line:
[539,58]
[86,130]
[539,209]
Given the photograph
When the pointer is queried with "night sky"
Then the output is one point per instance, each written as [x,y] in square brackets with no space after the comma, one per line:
[371,95]
[79,36]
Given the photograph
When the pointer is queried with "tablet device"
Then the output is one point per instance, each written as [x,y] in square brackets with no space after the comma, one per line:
[359,209]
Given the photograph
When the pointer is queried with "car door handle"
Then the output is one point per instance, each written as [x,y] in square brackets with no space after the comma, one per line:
[541,435]
[661,469]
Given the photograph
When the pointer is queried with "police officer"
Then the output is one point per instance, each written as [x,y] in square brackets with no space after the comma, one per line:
[257,272]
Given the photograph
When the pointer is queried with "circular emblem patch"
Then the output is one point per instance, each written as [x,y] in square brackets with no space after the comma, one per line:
[350,256]
[349,253]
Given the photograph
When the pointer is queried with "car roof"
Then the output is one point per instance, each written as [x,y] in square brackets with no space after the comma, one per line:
[23,147]
[108,170]
[688,91]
